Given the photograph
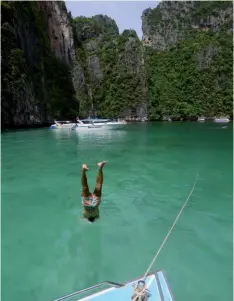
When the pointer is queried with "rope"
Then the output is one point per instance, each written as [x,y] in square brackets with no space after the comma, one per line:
[165,239]
[141,295]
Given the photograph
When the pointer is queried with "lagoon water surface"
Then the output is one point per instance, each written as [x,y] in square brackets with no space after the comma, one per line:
[48,250]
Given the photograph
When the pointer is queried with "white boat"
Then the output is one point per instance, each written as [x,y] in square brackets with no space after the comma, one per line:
[222,120]
[201,119]
[154,287]
[63,125]
[95,122]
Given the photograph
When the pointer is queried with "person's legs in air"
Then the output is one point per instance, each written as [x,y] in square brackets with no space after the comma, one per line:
[98,189]
[84,182]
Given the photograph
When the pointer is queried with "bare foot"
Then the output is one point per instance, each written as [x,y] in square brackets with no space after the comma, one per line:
[84,166]
[101,164]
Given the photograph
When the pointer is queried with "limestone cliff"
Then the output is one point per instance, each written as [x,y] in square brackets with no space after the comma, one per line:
[60,29]
[175,70]
[54,66]
[111,78]
[37,44]
[188,53]
[173,21]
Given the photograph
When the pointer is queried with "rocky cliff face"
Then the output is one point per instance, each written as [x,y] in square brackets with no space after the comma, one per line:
[87,72]
[188,48]
[173,21]
[54,66]
[36,81]
[59,29]
[174,71]
[110,77]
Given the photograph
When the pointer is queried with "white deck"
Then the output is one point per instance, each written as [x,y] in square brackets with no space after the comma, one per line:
[156,284]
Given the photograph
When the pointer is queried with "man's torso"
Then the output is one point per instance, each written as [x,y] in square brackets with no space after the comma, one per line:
[90,206]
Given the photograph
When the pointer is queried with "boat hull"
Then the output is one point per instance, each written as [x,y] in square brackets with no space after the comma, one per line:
[96,122]
[100,125]
[156,285]
[224,120]
[63,126]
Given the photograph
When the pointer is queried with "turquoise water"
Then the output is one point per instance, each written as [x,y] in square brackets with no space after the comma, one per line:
[48,249]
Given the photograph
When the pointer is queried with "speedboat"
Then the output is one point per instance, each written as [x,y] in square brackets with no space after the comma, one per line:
[95,122]
[201,119]
[222,120]
[154,287]
[63,125]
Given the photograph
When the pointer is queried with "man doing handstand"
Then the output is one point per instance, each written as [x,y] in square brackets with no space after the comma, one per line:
[91,201]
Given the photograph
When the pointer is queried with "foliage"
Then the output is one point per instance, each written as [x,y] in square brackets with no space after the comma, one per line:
[203,8]
[178,87]
[88,28]
[129,33]
[191,78]
[119,91]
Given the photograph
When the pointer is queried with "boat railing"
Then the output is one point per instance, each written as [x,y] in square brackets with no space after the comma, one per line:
[111,284]
[79,121]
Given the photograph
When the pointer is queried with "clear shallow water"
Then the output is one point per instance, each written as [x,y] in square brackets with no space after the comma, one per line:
[48,249]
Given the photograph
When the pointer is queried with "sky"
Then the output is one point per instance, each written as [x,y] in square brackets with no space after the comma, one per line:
[126,14]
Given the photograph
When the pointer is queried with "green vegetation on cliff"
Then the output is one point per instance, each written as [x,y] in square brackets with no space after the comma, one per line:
[123,76]
[189,74]
[88,28]
[184,71]
[112,67]
[193,76]
[192,79]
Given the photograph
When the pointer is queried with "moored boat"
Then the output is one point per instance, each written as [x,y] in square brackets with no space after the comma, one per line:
[90,122]
[222,120]
[63,125]
[201,119]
